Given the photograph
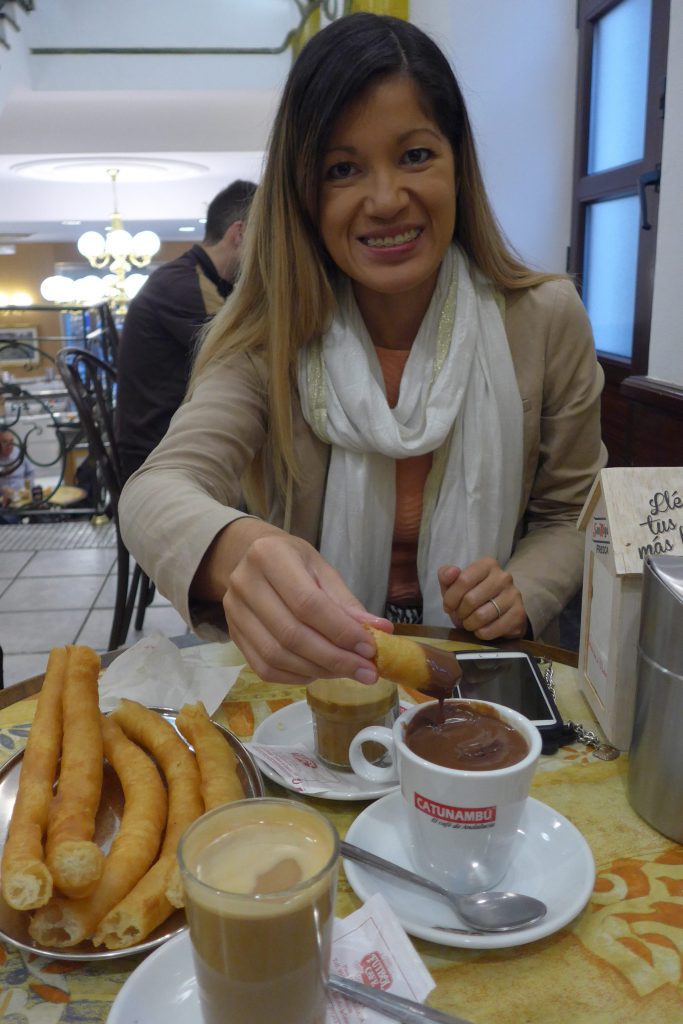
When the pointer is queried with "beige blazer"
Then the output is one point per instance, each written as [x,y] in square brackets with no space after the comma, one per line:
[189,488]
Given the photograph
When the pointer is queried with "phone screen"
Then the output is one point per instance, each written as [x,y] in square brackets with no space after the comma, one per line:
[512,682]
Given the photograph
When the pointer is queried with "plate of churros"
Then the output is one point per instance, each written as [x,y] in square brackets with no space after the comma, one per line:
[91,813]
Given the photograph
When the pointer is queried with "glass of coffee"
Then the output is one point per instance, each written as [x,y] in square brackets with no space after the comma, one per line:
[341,708]
[260,879]
[465,768]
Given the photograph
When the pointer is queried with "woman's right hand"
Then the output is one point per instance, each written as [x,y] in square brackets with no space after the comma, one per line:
[289,612]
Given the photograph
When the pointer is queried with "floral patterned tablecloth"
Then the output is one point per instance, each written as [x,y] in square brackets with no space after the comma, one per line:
[620,961]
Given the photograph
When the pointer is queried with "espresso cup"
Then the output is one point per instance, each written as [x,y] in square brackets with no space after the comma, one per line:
[462,820]
[341,708]
[259,878]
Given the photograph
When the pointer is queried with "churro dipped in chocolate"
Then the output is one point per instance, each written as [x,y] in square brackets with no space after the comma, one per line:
[408,663]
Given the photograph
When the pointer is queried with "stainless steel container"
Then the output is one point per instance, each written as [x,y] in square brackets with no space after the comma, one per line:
[655,779]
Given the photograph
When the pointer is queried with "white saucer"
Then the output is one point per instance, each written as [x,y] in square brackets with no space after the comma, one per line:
[162,990]
[552,862]
[293,725]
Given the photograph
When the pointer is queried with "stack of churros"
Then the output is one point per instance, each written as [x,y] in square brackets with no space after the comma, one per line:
[51,864]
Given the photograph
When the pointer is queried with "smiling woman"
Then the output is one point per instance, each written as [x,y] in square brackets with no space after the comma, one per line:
[387,206]
[392,418]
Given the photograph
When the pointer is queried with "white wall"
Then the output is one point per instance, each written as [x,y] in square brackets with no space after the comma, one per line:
[666,338]
[516,64]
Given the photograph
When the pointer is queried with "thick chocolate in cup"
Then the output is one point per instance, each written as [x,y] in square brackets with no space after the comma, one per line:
[466,735]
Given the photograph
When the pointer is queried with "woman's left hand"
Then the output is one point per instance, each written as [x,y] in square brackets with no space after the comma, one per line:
[483,599]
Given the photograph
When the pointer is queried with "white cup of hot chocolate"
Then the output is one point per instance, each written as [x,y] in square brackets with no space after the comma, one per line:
[465,780]
[259,878]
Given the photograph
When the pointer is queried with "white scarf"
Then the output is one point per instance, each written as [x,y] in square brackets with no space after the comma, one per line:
[458,399]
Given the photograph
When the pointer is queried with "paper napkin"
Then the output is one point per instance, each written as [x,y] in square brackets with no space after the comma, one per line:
[298,766]
[370,946]
[156,673]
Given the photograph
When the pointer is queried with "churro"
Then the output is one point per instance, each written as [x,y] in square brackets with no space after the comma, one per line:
[74,860]
[64,923]
[400,659]
[154,897]
[220,783]
[26,880]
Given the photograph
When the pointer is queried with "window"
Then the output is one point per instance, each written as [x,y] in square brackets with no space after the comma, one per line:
[622,66]
[619,128]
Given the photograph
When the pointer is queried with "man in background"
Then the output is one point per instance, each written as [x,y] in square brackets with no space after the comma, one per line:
[162,322]
[16,474]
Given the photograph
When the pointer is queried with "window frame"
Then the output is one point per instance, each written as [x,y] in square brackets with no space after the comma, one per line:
[623,180]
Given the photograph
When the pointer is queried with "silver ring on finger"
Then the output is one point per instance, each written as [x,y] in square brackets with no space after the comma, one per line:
[499,612]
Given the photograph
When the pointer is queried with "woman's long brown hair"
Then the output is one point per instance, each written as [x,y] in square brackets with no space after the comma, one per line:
[284,296]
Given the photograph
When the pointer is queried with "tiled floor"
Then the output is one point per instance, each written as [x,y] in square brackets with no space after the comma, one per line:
[52,594]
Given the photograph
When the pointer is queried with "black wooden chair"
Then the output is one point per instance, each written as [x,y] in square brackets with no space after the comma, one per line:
[39,444]
[91,384]
[111,336]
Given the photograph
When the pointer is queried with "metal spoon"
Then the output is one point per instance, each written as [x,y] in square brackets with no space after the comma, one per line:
[483,911]
[396,1007]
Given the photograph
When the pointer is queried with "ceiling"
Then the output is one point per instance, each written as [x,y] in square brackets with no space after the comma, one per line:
[176,127]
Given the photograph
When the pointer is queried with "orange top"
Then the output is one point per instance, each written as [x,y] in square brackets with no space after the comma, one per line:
[411,475]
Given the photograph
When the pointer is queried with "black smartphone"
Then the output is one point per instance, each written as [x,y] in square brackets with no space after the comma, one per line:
[512,678]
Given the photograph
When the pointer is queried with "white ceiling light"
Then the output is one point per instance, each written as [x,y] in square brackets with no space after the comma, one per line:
[85,169]
[118,250]
[133,284]
[19,299]
[58,289]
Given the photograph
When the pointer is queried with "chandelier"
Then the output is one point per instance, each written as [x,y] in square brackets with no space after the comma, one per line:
[117,250]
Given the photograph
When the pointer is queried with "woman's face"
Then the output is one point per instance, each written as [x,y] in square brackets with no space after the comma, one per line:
[387,197]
